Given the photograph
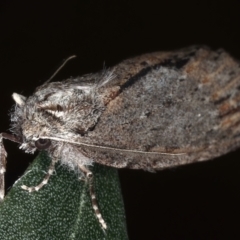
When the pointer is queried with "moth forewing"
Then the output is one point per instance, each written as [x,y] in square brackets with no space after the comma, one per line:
[185,101]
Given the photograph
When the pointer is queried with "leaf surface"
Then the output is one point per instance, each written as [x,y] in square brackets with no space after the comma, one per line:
[62,209]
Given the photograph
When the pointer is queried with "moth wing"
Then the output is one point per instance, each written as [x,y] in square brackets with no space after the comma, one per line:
[171,108]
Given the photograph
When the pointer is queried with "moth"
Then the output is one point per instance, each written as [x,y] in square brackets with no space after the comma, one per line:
[154,111]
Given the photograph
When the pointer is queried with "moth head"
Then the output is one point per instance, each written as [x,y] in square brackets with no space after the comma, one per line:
[21,125]
[57,110]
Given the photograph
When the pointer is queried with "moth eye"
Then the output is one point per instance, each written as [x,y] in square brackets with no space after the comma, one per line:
[42,143]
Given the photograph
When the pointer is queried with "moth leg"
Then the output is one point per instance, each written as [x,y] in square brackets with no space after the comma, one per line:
[45,179]
[89,177]
[3,156]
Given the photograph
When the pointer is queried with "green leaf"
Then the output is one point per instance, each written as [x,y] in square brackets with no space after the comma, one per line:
[62,209]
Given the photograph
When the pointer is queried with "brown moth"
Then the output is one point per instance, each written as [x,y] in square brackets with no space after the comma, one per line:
[150,112]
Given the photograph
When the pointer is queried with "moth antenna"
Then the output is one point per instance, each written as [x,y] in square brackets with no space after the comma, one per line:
[64,63]
[97,212]
[45,179]
[110,148]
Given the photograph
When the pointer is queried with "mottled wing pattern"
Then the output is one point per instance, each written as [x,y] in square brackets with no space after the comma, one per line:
[169,103]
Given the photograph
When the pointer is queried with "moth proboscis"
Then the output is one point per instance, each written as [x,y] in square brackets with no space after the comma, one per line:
[150,112]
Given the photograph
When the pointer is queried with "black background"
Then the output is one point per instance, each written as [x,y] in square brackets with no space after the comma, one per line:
[198,201]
